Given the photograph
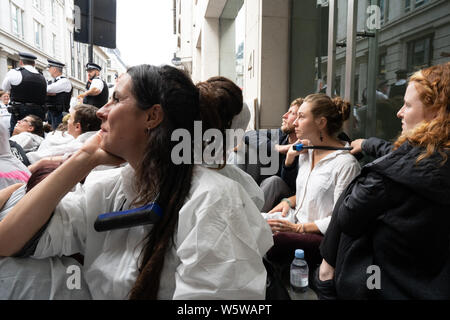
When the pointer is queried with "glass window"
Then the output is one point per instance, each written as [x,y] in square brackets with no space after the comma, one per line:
[54,44]
[53,10]
[72,61]
[419,53]
[407,5]
[16,21]
[37,4]
[38,34]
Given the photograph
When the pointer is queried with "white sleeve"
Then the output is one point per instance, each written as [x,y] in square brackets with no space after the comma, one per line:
[221,255]
[23,139]
[97,83]
[66,232]
[62,85]
[344,174]
[13,77]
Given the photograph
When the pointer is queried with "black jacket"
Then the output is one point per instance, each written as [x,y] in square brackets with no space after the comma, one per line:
[396,215]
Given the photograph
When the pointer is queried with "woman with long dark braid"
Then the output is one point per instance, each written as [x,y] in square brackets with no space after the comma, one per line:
[202,247]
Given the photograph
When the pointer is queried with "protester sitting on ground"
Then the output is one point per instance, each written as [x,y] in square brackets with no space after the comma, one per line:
[59,137]
[33,279]
[299,222]
[276,188]
[396,214]
[12,171]
[81,125]
[221,107]
[203,212]
[29,133]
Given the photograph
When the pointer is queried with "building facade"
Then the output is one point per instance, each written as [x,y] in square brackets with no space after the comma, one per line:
[284,46]
[45,28]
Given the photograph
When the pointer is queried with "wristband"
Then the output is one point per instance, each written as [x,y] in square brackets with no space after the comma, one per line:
[288,201]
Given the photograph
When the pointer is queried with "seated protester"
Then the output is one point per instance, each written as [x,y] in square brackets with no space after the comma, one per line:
[221,107]
[202,211]
[32,279]
[282,184]
[59,137]
[12,170]
[29,133]
[395,215]
[82,124]
[17,151]
[300,221]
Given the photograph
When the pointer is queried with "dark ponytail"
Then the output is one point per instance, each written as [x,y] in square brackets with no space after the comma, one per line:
[157,174]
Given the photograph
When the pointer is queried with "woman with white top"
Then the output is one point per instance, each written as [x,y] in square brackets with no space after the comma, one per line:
[29,133]
[12,170]
[300,221]
[202,246]
[222,108]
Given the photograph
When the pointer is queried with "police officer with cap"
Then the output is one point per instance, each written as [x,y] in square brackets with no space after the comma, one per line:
[28,90]
[97,90]
[59,92]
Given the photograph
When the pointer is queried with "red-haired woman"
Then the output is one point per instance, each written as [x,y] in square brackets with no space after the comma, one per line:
[389,235]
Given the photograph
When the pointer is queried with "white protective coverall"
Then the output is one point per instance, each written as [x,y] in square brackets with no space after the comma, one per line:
[219,242]
[56,278]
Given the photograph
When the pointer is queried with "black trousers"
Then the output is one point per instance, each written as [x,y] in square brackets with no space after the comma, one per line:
[21,111]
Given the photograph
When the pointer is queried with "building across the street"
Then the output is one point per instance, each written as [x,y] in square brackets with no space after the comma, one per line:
[45,28]
[279,50]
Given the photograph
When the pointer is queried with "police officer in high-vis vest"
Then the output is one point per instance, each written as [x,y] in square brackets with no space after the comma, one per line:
[59,92]
[97,90]
[28,90]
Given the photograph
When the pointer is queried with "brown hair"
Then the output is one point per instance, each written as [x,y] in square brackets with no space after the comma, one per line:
[433,86]
[297,102]
[86,116]
[220,101]
[157,174]
[335,110]
[37,124]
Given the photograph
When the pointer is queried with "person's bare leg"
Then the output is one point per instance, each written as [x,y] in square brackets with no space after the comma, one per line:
[326,272]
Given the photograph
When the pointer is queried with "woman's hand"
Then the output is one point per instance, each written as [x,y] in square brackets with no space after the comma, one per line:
[282,226]
[92,147]
[282,207]
[292,154]
[357,146]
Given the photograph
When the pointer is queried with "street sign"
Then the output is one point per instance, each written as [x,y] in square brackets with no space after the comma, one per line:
[104,33]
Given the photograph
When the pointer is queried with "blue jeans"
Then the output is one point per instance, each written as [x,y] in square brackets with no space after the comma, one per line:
[54,118]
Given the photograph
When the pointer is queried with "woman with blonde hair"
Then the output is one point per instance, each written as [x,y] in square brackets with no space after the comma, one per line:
[389,235]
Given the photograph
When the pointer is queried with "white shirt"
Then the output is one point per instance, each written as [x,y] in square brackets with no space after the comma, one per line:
[58,145]
[97,83]
[32,279]
[320,188]
[28,141]
[14,77]
[61,85]
[217,253]
[246,181]
[12,171]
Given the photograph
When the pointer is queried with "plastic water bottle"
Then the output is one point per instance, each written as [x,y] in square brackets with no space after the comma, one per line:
[299,272]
